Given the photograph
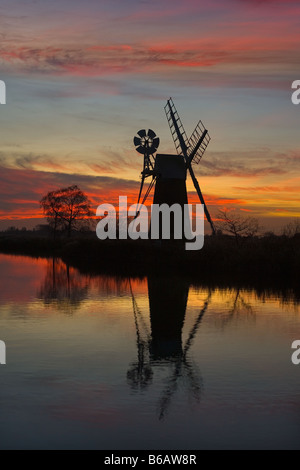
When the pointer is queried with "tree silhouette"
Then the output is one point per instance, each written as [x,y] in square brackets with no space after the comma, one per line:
[292,228]
[234,224]
[66,208]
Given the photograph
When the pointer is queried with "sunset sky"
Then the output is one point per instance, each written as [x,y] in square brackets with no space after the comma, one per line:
[83,77]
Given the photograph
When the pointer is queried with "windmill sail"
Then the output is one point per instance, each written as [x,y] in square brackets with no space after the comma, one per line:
[191,150]
[198,142]
[176,127]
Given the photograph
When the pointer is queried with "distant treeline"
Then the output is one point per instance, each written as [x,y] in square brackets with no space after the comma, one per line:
[267,260]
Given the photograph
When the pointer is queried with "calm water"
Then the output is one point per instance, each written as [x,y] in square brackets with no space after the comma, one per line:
[97,362]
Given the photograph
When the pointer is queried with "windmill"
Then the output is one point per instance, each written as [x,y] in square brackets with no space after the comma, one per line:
[168,172]
[146,143]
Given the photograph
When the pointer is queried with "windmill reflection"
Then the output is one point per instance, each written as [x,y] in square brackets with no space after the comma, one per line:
[63,285]
[167,302]
[162,346]
[140,373]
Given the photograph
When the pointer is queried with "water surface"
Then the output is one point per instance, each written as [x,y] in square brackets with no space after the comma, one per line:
[106,363]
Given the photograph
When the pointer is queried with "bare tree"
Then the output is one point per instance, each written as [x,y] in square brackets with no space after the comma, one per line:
[66,208]
[234,224]
[292,228]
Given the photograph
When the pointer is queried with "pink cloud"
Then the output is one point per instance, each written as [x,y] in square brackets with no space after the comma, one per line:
[110,59]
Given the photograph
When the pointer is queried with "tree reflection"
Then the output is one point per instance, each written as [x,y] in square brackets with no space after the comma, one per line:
[237,307]
[63,285]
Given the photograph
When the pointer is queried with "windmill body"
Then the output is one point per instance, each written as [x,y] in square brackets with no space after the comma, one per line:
[170,186]
[168,172]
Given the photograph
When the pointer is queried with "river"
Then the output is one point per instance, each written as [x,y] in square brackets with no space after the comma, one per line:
[99,362]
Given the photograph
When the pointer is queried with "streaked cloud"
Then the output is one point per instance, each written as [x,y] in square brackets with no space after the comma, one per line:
[82,77]
[102,60]
[21,190]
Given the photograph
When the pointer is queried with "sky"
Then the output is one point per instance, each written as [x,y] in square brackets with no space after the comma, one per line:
[82,77]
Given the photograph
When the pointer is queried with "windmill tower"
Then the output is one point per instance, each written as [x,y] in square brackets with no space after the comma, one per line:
[168,172]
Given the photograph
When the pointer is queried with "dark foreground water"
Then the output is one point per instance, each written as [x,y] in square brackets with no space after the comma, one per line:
[97,362]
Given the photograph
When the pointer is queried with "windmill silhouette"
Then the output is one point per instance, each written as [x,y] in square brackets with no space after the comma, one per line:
[146,143]
[168,172]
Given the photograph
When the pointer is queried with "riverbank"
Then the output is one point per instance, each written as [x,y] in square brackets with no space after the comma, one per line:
[271,260]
